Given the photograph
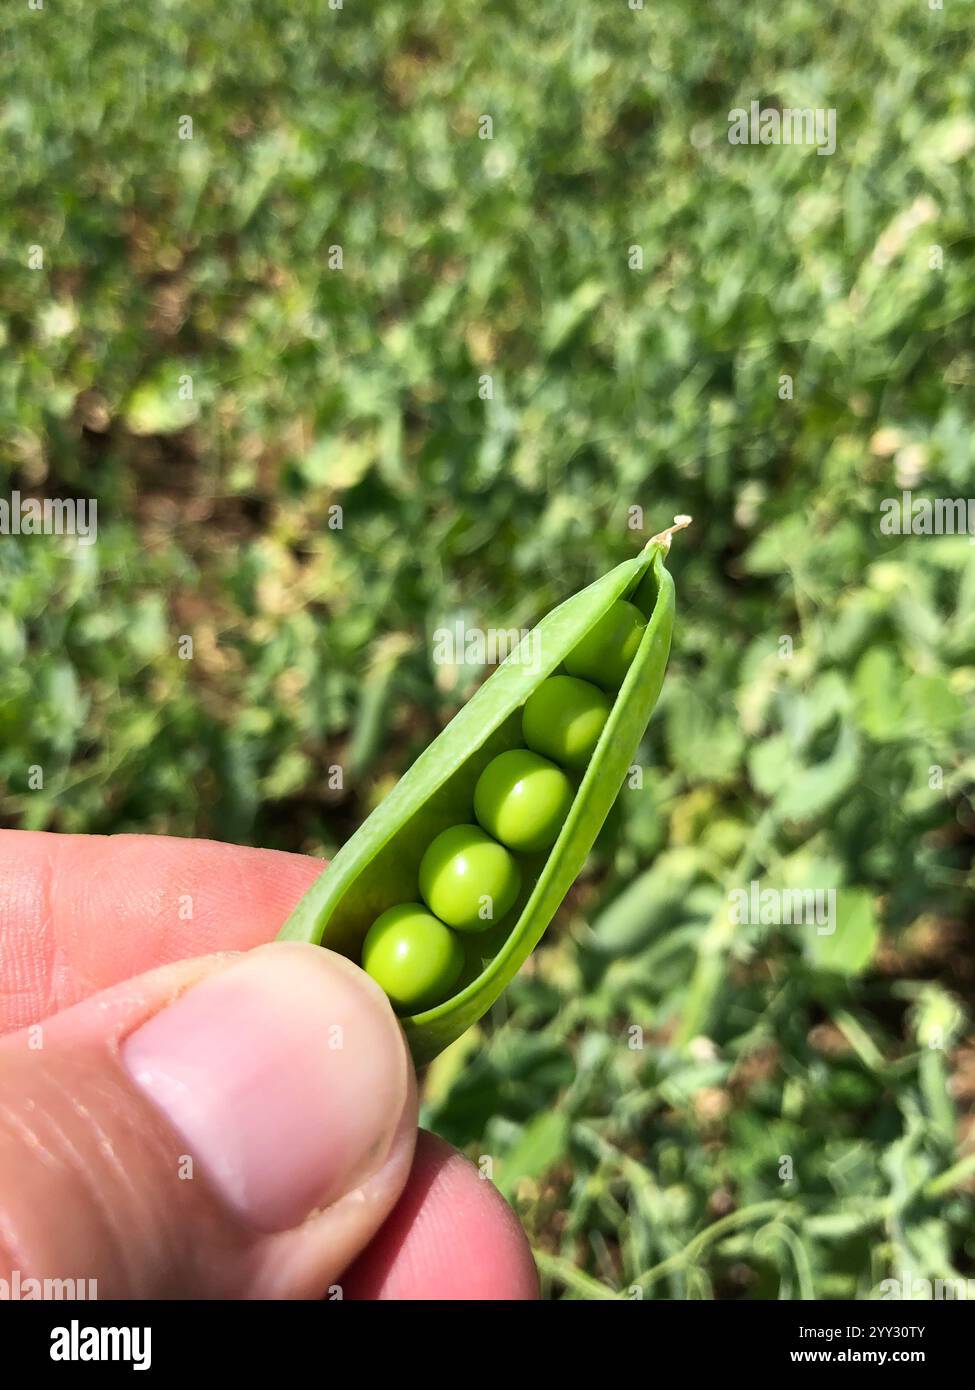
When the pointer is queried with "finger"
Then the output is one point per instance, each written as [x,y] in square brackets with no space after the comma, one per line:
[81,912]
[237,1126]
[451,1236]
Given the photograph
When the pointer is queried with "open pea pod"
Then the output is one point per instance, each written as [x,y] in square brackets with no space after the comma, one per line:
[378,867]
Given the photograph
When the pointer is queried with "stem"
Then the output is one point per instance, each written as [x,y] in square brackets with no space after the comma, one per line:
[800,1260]
[935,1094]
[718,935]
[663,538]
[860,1040]
[710,1234]
[953,1177]
[556,1268]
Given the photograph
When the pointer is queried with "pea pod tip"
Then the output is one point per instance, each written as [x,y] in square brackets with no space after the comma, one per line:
[663,538]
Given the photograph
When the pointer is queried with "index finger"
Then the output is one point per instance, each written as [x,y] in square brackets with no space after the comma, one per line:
[81,912]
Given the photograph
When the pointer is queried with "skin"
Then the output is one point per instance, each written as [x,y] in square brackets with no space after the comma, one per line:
[82,918]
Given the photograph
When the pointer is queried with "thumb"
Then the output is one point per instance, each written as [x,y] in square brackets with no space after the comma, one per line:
[237,1126]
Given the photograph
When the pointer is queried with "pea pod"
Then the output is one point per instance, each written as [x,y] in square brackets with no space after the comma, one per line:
[378,868]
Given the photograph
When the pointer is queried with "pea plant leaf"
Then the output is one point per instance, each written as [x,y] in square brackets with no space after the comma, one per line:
[848,948]
[542,1143]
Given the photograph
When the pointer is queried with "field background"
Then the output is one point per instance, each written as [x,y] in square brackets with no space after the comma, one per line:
[798,1120]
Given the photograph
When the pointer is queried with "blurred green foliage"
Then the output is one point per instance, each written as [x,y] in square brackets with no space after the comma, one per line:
[672,1100]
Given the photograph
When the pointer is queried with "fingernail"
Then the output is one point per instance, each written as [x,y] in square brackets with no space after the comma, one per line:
[285,1076]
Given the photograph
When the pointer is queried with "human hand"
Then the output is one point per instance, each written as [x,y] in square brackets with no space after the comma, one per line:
[235,1123]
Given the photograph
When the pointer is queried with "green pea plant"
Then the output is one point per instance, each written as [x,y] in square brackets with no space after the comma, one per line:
[582,710]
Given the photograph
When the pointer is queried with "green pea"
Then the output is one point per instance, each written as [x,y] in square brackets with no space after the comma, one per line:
[523,800]
[412,956]
[563,719]
[468,879]
[605,653]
